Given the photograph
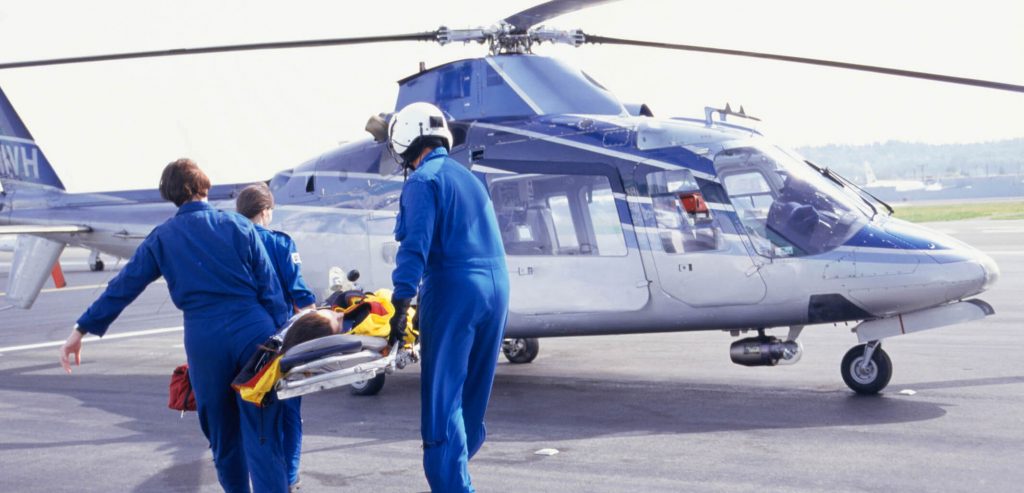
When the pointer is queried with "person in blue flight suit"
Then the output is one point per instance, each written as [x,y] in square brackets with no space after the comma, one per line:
[256,202]
[449,239]
[220,276]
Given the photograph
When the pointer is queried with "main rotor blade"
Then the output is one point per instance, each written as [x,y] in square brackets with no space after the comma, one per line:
[424,36]
[812,61]
[549,10]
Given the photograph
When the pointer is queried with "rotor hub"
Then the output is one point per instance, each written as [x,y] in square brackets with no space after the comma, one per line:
[506,39]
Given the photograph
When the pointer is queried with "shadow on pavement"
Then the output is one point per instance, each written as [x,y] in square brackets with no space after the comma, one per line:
[523,408]
[138,401]
[527,408]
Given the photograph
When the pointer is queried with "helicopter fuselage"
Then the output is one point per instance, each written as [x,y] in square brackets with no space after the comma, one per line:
[599,241]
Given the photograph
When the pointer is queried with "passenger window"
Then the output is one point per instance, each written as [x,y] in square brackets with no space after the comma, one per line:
[605,218]
[557,214]
[383,193]
[684,221]
[565,230]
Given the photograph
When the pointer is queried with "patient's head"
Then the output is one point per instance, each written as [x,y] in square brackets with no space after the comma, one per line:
[313,325]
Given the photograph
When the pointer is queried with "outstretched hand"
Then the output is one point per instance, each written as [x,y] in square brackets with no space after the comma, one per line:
[71,347]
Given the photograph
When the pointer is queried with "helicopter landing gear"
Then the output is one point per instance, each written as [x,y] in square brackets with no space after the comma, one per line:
[866,368]
[520,351]
[95,262]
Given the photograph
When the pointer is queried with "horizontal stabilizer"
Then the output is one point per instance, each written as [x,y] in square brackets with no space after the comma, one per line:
[29,229]
[34,258]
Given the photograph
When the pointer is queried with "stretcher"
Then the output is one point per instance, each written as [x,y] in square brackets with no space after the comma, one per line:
[339,360]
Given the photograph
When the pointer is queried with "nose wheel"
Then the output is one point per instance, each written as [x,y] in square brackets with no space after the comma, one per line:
[866,368]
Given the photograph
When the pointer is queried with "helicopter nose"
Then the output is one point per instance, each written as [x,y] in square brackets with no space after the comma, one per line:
[930,269]
[991,270]
[962,264]
[966,270]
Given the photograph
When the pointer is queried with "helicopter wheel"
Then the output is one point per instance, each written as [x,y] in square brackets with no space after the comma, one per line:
[520,351]
[870,378]
[368,387]
[96,266]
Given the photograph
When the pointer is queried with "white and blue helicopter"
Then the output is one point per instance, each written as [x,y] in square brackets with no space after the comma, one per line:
[614,221]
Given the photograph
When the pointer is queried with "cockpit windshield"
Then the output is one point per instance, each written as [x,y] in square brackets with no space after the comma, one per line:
[787,207]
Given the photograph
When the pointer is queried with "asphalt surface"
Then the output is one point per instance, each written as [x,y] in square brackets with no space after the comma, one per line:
[645,413]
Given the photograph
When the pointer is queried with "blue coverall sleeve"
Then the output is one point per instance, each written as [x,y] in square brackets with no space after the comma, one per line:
[291,277]
[141,270]
[415,231]
[267,287]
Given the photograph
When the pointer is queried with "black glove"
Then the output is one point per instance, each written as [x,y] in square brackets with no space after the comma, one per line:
[399,320]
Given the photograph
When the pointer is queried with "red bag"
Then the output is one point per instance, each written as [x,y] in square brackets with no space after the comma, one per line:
[182,398]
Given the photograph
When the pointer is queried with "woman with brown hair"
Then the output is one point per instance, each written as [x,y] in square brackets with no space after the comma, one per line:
[256,202]
[220,276]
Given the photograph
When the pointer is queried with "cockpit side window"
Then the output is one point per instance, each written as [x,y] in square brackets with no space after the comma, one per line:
[752,197]
[783,205]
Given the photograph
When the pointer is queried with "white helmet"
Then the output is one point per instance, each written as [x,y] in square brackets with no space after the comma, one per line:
[414,121]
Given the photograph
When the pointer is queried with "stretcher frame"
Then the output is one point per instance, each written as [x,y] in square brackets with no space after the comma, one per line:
[333,371]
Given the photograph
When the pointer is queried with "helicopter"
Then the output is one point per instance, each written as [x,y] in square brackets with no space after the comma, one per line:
[614,221]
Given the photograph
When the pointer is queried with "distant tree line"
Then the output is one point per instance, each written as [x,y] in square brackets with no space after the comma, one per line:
[913,161]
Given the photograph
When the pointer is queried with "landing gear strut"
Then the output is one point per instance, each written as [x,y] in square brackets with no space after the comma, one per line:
[95,262]
[866,368]
[520,351]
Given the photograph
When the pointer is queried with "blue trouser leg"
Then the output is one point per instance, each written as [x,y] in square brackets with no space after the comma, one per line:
[459,341]
[264,452]
[293,436]
[245,439]
[219,419]
[445,343]
[483,359]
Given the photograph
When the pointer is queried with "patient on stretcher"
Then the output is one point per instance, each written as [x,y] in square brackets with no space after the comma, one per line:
[314,336]
[344,344]
[311,347]
[355,321]
[313,325]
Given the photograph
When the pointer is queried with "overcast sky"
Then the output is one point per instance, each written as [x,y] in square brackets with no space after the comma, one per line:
[245,116]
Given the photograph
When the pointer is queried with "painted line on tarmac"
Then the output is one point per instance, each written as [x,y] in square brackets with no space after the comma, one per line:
[1008,229]
[80,288]
[69,288]
[125,335]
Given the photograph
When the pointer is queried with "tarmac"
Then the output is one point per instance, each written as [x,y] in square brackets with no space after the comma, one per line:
[642,413]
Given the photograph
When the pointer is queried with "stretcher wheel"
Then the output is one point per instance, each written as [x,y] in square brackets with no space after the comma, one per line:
[368,387]
[521,351]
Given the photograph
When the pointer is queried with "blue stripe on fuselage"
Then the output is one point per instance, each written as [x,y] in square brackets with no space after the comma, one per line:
[875,237]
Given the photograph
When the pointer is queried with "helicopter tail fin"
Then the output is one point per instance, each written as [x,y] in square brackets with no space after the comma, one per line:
[21,160]
[869,174]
